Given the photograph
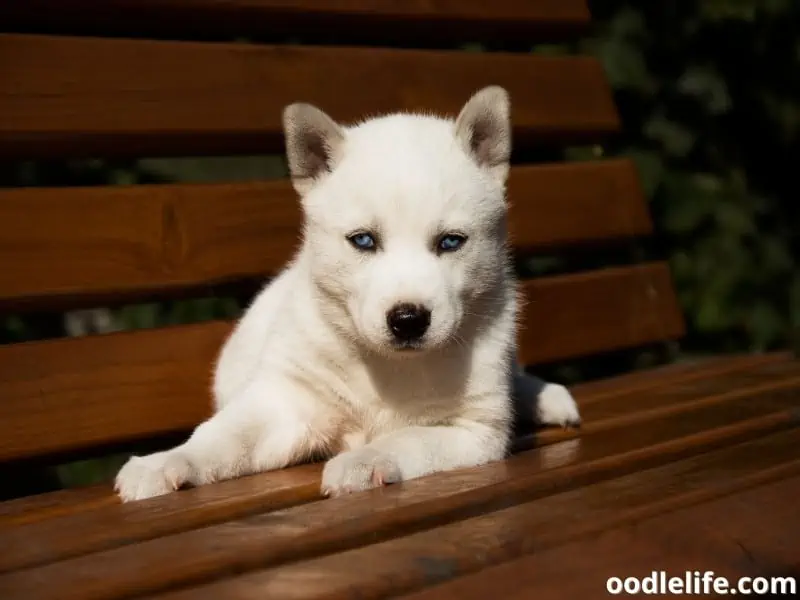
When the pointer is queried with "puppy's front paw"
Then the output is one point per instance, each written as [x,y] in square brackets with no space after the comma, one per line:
[358,470]
[154,475]
[556,406]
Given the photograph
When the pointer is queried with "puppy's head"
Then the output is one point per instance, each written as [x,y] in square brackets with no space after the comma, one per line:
[405,217]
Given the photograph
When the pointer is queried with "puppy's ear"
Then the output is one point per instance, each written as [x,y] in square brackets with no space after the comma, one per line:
[313,144]
[484,129]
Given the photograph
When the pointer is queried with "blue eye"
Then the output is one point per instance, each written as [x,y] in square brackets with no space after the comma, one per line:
[450,242]
[362,241]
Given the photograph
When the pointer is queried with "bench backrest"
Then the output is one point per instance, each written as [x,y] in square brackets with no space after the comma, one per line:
[63,96]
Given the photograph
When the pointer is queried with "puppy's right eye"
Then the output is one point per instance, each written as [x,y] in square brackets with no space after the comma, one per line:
[362,241]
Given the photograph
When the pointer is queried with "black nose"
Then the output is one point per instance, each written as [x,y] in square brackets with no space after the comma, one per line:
[408,322]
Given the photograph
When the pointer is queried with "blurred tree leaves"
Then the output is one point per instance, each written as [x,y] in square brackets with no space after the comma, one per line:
[619,48]
[709,97]
[745,10]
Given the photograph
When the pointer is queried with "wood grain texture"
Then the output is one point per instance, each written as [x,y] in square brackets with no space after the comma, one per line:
[84,392]
[729,536]
[30,509]
[87,246]
[675,373]
[462,506]
[426,558]
[96,390]
[62,96]
[79,533]
[609,309]
[372,20]
[67,503]
[631,406]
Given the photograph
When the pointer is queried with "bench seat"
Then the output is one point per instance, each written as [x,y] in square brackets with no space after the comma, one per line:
[685,467]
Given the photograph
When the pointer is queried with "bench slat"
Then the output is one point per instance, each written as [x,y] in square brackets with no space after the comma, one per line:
[39,507]
[120,387]
[101,97]
[716,366]
[88,246]
[426,558]
[728,535]
[568,316]
[335,525]
[378,20]
[631,407]
[64,504]
[114,525]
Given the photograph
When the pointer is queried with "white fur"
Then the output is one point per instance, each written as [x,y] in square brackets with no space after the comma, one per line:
[312,369]
[556,406]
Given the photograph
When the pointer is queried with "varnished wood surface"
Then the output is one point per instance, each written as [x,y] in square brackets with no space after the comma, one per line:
[63,502]
[90,245]
[604,419]
[68,502]
[728,535]
[96,390]
[376,20]
[445,552]
[667,444]
[90,97]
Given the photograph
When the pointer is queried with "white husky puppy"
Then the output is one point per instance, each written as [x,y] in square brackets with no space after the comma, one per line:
[387,344]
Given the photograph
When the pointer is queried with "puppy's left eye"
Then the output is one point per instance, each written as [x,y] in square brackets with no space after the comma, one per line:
[450,242]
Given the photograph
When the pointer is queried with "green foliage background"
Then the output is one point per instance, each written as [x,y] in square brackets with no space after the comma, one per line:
[709,95]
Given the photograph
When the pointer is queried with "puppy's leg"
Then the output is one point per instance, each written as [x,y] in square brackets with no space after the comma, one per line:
[412,452]
[262,430]
[537,402]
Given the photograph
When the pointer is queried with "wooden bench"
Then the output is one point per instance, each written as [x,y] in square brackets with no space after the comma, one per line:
[681,467]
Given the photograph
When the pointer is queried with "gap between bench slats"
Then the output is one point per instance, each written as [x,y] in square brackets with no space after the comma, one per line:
[100,389]
[89,97]
[378,20]
[237,497]
[90,245]
[335,525]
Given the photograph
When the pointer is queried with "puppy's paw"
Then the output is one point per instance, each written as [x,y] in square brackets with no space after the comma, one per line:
[154,475]
[358,470]
[556,406]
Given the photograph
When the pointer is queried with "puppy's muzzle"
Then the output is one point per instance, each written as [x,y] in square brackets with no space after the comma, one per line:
[408,322]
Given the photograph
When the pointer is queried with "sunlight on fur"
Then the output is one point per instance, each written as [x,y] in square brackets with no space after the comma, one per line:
[388,343]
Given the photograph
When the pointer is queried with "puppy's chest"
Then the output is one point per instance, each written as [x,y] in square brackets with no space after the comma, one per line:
[375,406]
[359,424]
